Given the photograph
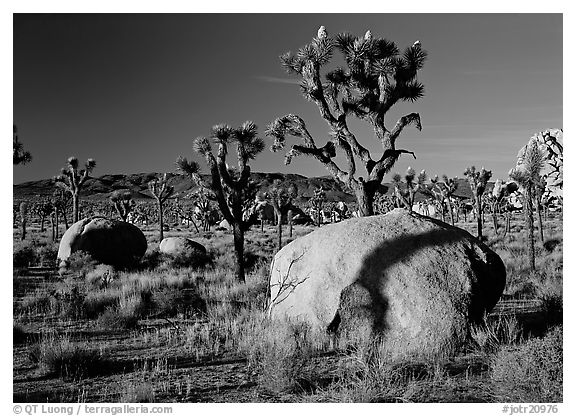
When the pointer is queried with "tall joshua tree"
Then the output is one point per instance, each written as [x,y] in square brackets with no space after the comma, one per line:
[123,203]
[377,76]
[72,179]
[317,203]
[230,186]
[281,198]
[478,181]
[443,191]
[19,155]
[406,190]
[527,175]
[161,191]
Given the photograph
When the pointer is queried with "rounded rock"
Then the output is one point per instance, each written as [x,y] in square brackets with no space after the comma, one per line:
[416,282]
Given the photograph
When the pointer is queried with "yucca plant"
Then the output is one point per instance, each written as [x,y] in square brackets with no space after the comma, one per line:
[442,192]
[478,180]
[376,77]
[405,190]
[19,155]
[527,175]
[317,203]
[71,180]
[161,191]
[281,198]
[231,187]
[123,202]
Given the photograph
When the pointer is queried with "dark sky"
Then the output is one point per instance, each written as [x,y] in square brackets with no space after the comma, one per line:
[133,91]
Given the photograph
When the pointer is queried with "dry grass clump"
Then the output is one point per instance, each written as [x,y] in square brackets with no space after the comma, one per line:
[61,356]
[530,372]
[492,334]
[139,392]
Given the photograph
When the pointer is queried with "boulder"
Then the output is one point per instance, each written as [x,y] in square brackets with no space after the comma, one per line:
[112,242]
[416,282]
[224,225]
[184,247]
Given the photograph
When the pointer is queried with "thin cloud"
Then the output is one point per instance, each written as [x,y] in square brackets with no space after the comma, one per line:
[278,80]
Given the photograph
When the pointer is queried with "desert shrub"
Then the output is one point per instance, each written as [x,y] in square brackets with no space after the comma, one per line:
[140,392]
[170,301]
[39,301]
[280,352]
[182,260]
[70,360]
[552,307]
[101,276]
[24,255]
[47,255]
[151,259]
[97,302]
[19,335]
[81,263]
[116,318]
[491,334]
[530,372]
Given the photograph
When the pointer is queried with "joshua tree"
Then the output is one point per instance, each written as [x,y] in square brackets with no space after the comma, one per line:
[478,181]
[497,198]
[23,216]
[161,191]
[71,180]
[281,198]
[230,186]
[377,76]
[406,191]
[19,155]
[442,192]
[527,175]
[317,203]
[123,203]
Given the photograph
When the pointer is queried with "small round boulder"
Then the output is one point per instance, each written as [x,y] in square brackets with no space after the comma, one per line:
[117,243]
[183,247]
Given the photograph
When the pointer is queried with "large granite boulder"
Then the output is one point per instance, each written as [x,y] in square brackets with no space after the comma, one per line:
[417,282]
[112,242]
[182,247]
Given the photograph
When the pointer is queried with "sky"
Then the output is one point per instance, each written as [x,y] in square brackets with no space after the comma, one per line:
[133,91]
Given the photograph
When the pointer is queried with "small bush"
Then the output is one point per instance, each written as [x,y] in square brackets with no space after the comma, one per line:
[102,276]
[141,392]
[70,360]
[24,255]
[279,352]
[47,255]
[115,318]
[531,372]
[81,263]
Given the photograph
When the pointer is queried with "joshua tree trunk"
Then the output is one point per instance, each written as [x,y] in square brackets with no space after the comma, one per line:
[75,208]
[23,211]
[290,223]
[261,223]
[365,198]
[279,228]
[539,212]
[450,211]
[530,226]
[42,221]
[161,219]
[239,250]
[495,217]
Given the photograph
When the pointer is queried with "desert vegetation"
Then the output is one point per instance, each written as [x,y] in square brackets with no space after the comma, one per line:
[190,314]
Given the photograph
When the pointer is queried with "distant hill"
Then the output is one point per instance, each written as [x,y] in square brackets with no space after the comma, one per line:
[101,187]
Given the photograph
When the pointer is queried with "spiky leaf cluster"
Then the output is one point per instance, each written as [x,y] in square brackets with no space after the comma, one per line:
[529,165]
[160,189]
[19,155]
[281,195]
[72,178]
[477,179]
